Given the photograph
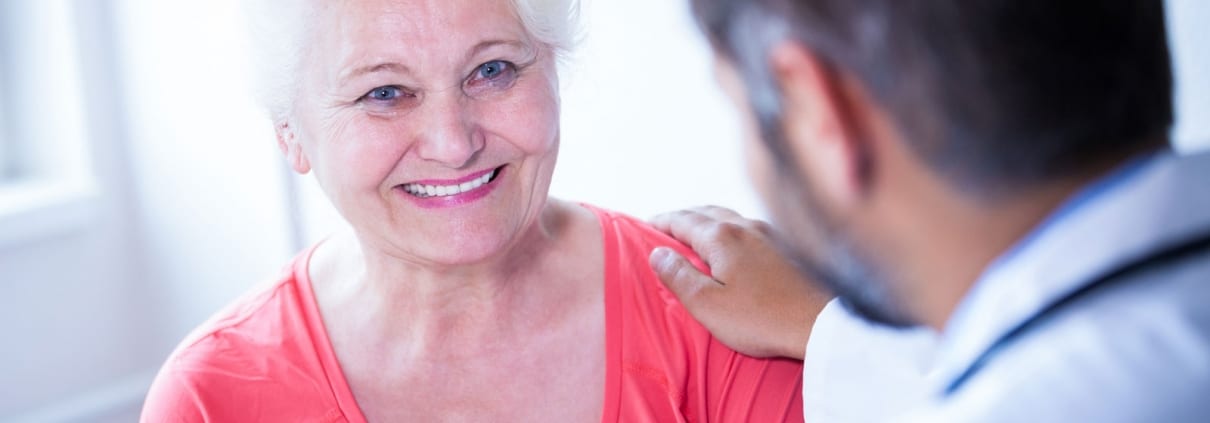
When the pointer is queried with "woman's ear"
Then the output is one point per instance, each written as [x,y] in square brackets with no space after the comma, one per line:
[287,141]
[819,124]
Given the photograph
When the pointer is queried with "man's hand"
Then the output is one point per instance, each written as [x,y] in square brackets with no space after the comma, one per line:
[757,302]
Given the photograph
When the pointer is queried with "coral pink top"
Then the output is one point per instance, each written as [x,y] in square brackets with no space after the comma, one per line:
[267,357]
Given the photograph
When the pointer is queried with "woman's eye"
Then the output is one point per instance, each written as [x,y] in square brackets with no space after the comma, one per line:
[494,72]
[384,94]
[492,69]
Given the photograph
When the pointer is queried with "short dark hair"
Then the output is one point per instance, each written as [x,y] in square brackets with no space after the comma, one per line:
[993,94]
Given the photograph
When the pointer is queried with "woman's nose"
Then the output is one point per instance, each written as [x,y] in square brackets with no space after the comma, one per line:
[447,133]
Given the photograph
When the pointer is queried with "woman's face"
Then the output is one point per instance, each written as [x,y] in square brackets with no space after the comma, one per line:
[432,125]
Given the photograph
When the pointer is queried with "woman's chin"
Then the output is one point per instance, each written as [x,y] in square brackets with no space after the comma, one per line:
[458,255]
[458,250]
[463,241]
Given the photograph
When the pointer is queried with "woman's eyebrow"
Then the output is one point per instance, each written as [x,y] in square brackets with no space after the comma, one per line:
[394,67]
[487,44]
[401,68]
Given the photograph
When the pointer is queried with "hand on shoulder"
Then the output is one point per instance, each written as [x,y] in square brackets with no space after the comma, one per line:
[756,301]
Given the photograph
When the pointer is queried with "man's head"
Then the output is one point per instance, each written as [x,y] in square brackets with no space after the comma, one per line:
[987,98]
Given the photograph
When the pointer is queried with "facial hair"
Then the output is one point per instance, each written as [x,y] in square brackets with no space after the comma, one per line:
[824,251]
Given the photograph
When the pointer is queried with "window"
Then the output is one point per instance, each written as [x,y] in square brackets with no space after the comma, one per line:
[7,162]
[44,164]
[5,154]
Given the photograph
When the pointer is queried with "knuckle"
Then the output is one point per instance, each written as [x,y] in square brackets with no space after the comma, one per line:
[726,231]
[684,274]
[689,217]
[760,226]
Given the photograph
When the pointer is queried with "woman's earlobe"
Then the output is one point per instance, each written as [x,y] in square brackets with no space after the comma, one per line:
[287,141]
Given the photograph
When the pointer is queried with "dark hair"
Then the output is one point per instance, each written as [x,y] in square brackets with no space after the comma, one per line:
[994,94]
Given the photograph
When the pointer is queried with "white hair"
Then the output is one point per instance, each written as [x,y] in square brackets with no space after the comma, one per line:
[280,31]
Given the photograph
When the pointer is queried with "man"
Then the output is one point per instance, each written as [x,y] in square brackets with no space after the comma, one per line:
[996,171]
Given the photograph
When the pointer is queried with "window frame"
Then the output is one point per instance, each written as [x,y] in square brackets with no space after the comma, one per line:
[7,161]
[46,187]
[6,158]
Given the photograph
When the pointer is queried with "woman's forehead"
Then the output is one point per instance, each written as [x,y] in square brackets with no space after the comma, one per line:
[441,24]
[415,35]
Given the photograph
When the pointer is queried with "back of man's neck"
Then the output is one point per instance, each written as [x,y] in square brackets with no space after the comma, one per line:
[974,233]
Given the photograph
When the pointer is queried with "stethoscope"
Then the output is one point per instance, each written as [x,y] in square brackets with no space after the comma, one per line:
[1114,277]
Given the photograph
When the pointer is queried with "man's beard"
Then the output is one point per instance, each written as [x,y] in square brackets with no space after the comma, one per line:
[823,251]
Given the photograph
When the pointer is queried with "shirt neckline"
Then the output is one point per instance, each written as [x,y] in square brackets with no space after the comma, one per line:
[611,407]
[319,333]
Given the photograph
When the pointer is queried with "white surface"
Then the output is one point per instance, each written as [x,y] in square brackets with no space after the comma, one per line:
[203,158]
[45,174]
[1189,35]
[6,157]
[69,310]
[188,210]
[32,210]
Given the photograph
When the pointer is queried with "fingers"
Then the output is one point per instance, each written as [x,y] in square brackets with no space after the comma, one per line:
[708,230]
[717,213]
[665,221]
[694,226]
[701,214]
[682,278]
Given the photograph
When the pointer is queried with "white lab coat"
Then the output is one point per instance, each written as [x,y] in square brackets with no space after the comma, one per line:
[1134,349]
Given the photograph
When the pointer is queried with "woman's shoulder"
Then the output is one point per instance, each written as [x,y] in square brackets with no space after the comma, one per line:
[256,314]
[642,300]
[635,237]
[259,345]
[666,353]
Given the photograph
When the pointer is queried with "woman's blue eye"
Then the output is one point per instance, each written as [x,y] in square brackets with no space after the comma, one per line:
[384,93]
[494,69]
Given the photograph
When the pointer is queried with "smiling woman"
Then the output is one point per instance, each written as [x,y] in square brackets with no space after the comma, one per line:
[461,290]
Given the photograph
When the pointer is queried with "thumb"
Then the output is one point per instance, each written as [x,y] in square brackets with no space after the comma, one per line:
[680,276]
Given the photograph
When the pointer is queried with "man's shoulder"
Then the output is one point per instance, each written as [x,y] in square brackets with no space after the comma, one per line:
[1140,352]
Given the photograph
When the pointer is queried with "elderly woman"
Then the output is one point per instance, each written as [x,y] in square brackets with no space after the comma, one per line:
[462,291]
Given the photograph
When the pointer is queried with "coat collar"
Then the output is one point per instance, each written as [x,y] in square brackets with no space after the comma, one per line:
[1137,209]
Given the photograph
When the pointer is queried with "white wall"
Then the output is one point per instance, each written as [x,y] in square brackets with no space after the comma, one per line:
[192,197]
[203,158]
[1189,36]
[67,312]
[189,209]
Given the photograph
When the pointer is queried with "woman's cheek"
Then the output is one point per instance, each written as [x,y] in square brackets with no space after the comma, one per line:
[368,147]
[531,117]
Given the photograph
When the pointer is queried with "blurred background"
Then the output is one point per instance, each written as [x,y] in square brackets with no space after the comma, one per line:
[141,188]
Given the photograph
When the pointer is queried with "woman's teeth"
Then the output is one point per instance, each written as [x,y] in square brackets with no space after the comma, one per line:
[425,191]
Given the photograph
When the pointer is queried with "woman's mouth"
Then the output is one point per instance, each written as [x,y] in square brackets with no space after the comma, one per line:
[434,189]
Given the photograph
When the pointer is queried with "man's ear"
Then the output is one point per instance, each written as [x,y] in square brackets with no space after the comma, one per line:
[819,123]
[287,141]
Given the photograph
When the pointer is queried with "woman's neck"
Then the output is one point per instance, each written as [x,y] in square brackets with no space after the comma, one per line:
[451,308]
